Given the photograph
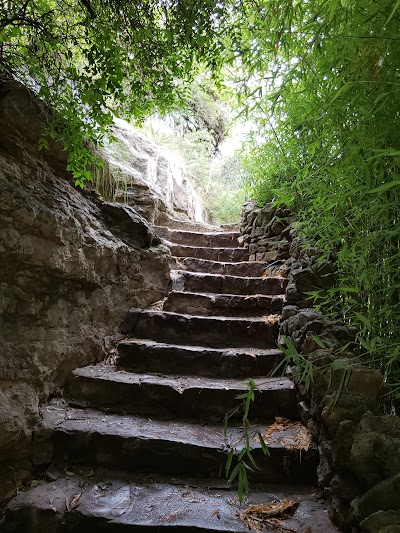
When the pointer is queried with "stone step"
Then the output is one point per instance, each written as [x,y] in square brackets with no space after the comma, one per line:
[107,501]
[183,280]
[178,328]
[187,225]
[223,304]
[108,388]
[149,356]
[243,268]
[219,239]
[211,254]
[140,444]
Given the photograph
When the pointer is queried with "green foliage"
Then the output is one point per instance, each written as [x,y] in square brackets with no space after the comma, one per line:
[324,92]
[89,59]
[304,369]
[195,134]
[240,459]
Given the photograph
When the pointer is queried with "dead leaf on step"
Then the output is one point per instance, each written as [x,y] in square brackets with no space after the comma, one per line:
[168,517]
[269,515]
[270,319]
[298,439]
[253,297]
[76,498]
[111,359]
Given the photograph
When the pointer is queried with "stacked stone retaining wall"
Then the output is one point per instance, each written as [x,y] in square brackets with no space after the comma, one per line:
[359,469]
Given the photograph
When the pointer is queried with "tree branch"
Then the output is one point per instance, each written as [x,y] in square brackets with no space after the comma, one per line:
[86,3]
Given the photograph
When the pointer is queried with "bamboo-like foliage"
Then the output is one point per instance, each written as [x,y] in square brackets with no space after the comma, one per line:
[325,91]
[89,59]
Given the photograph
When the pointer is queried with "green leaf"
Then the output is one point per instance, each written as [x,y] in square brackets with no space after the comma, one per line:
[345,87]
[252,460]
[363,319]
[264,447]
[332,10]
[319,341]
[228,463]
[384,187]
[340,364]
[234,473]
[392,14]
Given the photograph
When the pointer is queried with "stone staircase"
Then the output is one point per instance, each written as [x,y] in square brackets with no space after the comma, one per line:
[141,445]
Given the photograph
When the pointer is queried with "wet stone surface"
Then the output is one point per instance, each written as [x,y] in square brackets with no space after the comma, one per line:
[198,330]
[176,396]
[141,355]
[116,503]
[223,304]
[190,447]
[243,268]
[216,283]
[218,239]
[211,254]
[159,404]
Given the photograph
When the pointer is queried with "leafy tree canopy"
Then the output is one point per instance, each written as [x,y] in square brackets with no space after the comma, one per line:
[90,58]
[322,82]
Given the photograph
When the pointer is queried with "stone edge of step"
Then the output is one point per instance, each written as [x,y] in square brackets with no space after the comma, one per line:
[180,383]
[214,509]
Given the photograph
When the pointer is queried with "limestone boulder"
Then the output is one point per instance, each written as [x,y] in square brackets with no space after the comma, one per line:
[375,453]
[150,178]
[70,267]
[381,497]
[381,520]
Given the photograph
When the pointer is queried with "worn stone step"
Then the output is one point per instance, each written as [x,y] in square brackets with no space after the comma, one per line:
[148,356]
[223,304]
[216,239]
[172,396]
[107,501]
[134,443]
[178,328]
[182,280]
[211,254]
[187,225]
[242,268]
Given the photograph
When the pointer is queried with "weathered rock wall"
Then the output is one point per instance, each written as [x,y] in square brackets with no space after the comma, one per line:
[70,267]
[150,178]
[359,470]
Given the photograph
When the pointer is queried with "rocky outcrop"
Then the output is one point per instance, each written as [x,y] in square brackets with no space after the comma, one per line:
[359,446]
[170,406]
[149,178]
[70,267]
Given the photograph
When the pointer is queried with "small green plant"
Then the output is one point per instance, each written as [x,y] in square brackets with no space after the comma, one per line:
[304,369]
[240,460]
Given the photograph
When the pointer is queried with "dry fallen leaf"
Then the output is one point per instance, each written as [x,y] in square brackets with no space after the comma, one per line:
[75,500]
[168,517]
[299,439]
[270,319]
[269,514]
[252,297]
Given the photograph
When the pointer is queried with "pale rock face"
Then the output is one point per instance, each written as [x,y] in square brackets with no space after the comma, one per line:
[70,267]
[151,178]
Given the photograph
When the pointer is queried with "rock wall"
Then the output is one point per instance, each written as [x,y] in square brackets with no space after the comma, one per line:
[150,178]
[359,470]
[70,267]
